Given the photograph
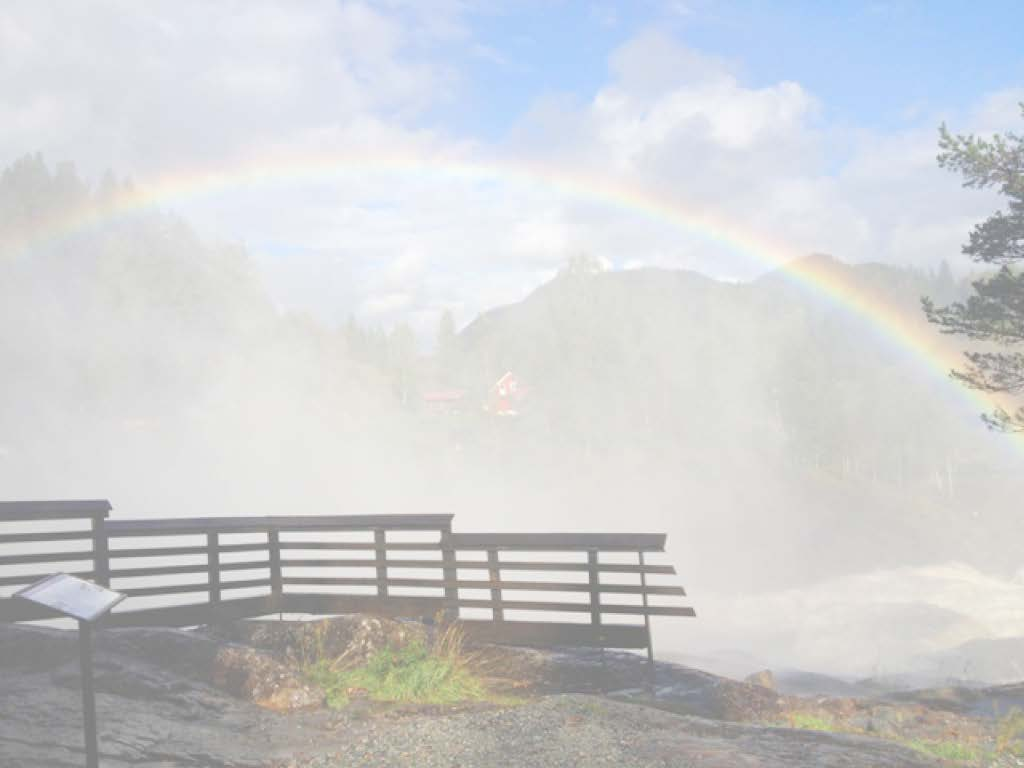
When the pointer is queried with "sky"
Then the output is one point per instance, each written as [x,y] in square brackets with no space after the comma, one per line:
[405,157]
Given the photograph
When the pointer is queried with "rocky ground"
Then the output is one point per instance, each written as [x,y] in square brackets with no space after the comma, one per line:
[233,697]
[576,730]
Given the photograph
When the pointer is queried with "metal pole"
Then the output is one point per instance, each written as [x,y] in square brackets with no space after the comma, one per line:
[651,669]
[92,754]
[594,578]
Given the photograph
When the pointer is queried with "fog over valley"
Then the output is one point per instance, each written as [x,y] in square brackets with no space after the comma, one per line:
[811,474]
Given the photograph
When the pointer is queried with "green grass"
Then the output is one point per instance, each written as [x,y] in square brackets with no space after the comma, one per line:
[1010,733]
[810,722]
[953,751]
[415,673]
[1009,741]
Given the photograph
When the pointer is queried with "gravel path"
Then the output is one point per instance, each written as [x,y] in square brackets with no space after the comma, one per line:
[574,731]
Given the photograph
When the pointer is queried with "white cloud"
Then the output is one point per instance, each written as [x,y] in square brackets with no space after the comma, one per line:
[150,86]
[166,88]
[758,159]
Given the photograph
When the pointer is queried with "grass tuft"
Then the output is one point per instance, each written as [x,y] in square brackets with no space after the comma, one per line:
[952,751]
[809,722]
[416,673]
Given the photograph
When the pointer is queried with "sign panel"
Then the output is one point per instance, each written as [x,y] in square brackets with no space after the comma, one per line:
[71,596]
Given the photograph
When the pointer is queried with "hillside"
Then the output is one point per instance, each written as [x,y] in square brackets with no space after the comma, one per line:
[762,416]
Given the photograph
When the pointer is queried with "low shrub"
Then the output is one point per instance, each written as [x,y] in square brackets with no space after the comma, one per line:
[417,673]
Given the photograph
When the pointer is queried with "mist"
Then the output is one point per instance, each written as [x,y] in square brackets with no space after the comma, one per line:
[810,475]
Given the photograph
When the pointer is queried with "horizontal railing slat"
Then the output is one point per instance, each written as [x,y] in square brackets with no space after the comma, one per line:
[548,542]
[158,570]
[167,570]
[632,610]
[602,567]
[172,589]
[425,546]
[21,538]
[336,581]
[176,589]
[193,614]
[260,546]
[481,565]
[47,557]
[186,525]
[392,605]
[522,586]
[29,578]
[330,545]
[292,562]
[186,550]
[555,586]
[158,551]
[244,584]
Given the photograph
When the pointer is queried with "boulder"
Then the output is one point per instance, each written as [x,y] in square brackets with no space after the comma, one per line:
[343,640]
[258,677]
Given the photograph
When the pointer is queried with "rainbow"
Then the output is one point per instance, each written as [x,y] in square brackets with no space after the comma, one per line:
[910,333]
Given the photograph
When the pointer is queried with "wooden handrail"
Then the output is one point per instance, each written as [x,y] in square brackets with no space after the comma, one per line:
[202,525]
[54,510]
[560,542]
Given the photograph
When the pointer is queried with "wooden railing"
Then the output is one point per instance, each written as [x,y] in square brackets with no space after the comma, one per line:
[512,554]
[520,589]
[38,538]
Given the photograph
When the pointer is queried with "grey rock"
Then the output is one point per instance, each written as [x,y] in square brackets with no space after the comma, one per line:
[158,706]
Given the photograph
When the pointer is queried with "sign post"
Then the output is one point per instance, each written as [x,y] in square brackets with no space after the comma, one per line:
[87,603]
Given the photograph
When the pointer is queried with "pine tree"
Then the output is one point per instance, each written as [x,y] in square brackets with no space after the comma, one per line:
[994,314]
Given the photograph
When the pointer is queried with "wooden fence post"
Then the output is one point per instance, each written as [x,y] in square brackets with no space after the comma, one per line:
[213,565]
[100,551]
[274,555]
[494,575]
[595,587]
[380,555]
[450,575]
